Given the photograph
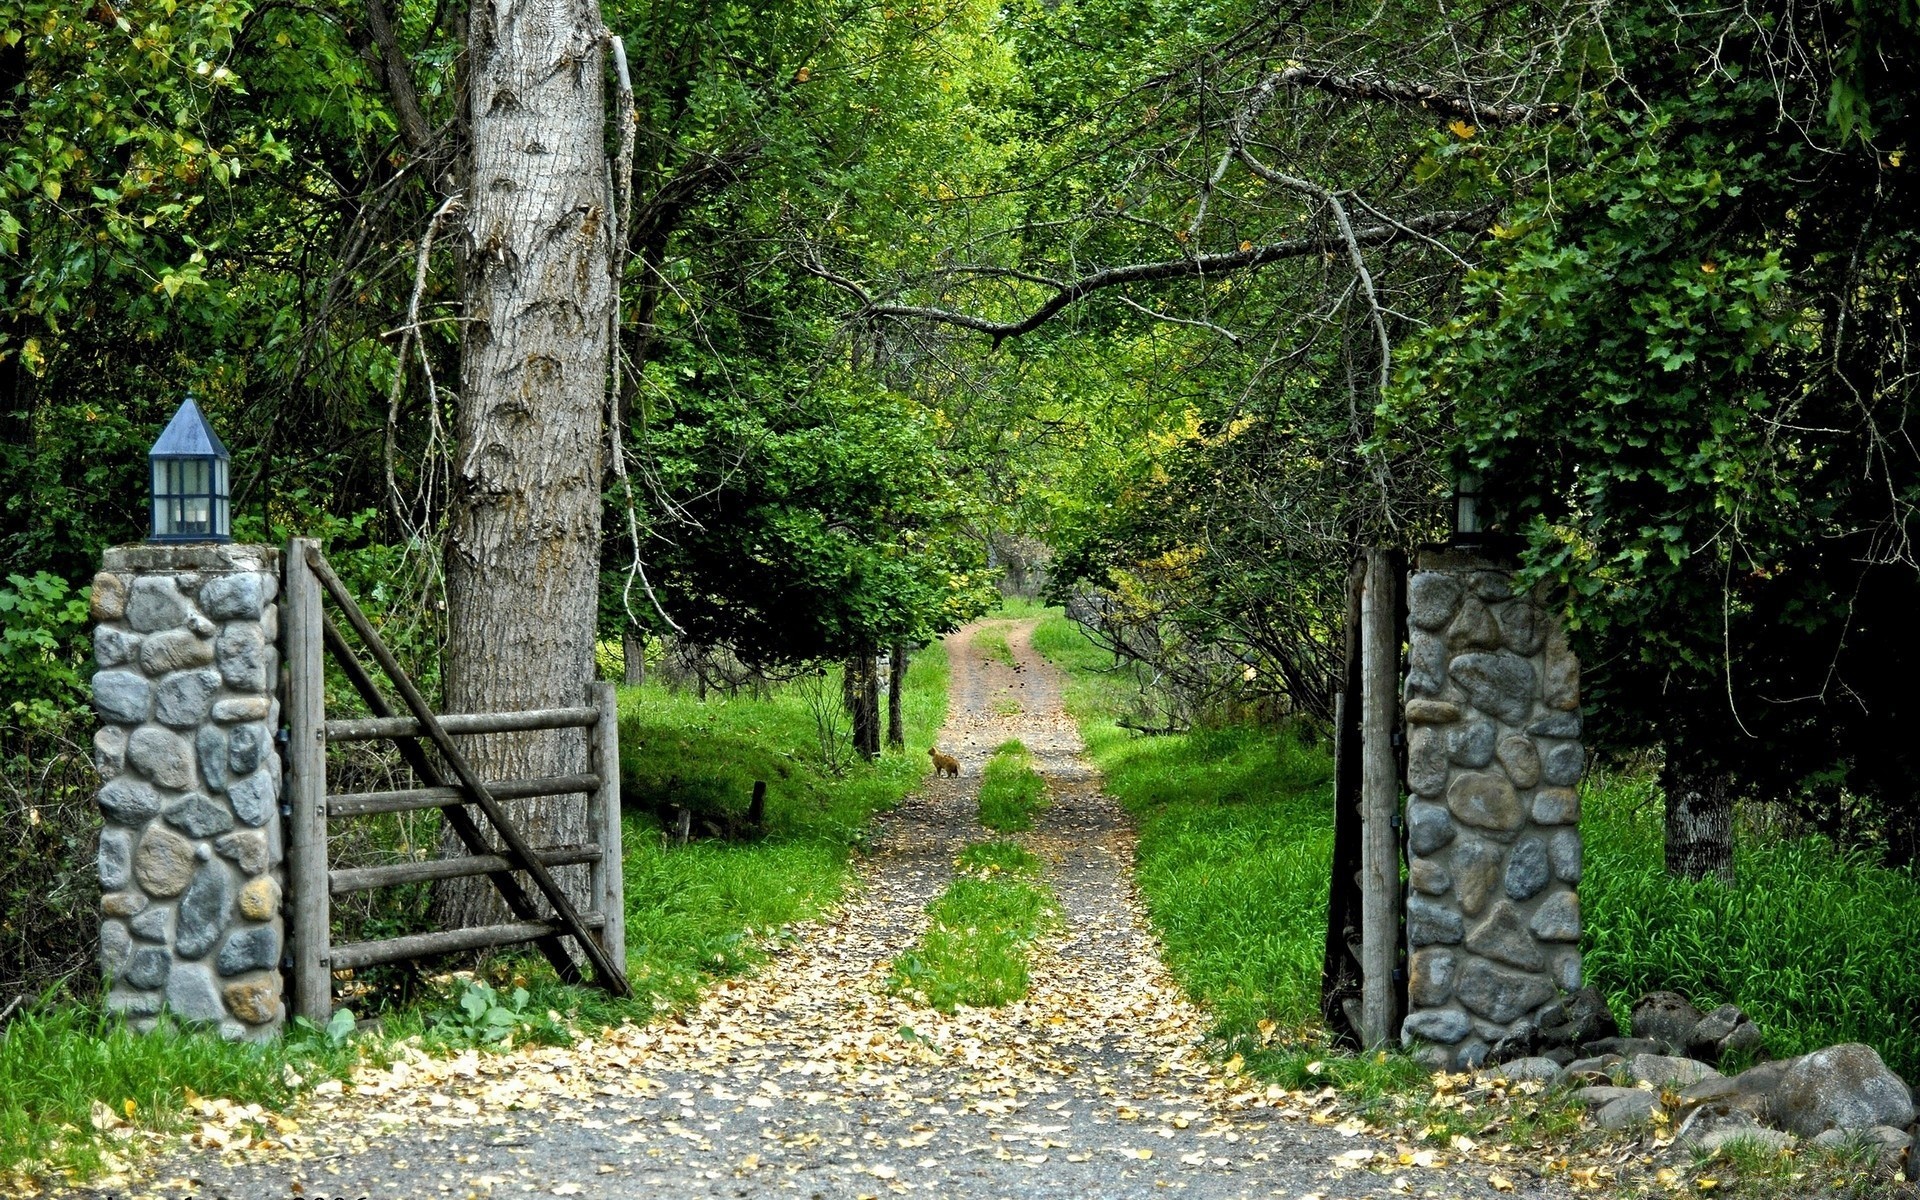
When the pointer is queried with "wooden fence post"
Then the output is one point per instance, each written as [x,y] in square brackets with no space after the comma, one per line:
[306,790]
[1380,799]
[608,886]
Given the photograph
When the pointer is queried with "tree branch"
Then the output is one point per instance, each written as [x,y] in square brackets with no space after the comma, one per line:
[1368,86]
[391,66]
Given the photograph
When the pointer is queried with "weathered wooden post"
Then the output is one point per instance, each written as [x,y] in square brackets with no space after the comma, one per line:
[608,881]
[307,789]
[1380,799]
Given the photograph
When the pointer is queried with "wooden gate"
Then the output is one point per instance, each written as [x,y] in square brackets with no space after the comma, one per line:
[448,783]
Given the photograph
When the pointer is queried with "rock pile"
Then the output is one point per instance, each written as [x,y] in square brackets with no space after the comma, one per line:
[1843,1097]
[185,642]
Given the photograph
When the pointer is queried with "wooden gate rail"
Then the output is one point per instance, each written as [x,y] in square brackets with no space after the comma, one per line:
[600,934]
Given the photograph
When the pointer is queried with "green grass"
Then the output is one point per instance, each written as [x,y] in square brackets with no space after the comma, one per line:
[1236,830]
[1011,791]
[974,951]
[992,641]
[1816,943]
[1019,608]
[700,911]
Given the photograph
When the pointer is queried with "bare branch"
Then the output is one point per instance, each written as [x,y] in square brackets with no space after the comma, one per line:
[390,64]
[1367,86]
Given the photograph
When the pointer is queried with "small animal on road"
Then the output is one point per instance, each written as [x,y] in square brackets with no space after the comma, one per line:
[944,764]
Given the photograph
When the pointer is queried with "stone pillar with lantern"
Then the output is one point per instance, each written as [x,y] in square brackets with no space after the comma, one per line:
[185,638]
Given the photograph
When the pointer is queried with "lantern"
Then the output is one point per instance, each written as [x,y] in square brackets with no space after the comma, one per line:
[189,478]
[1469,527]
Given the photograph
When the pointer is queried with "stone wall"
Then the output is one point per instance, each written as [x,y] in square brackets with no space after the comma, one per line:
[1493,764]
[190,855]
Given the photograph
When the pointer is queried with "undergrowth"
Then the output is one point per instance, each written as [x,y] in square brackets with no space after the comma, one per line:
[974,951]
[1012,793]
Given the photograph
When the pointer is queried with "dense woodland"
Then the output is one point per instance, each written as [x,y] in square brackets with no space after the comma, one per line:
[1193,302]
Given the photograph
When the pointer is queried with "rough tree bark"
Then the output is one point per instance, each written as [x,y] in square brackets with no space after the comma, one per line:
[633,656]
[524,553]
[1699,818]
[861,687]
[896,681]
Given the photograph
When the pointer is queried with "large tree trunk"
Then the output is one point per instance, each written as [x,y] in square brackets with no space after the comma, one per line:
[861,685]
[1699,818]
[633,656]
[523,566]
[896,681]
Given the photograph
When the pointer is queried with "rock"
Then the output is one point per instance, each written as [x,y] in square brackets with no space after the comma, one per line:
[1432,599]
[1470,1055]
[164,862]
[116,944]
[255,1001]
[1559,725]
[1426,665]
[1498,994]
[154,603]
[1557,919]
[1882,1145]
[1428,876]
[1492,586]
[184,697]
[1623,1047]
[257,948]
[1500,685]
[1564,852]
[1563,764]
[1601,1095]
[153,924]
[1527,1070]
[237,597]
[1567,972]
[1769,1141]
[1747,1039]
[241,708]
[108,601]
[1429,923]
[1471,745]
[260,899]
[1430,977]
[1527,869]
[1588,1071]
[1665,1017]
[1486,800]
[122,904]
[1519,760]
[1713,1029]
[204,910]
[1473,628]
[1628,1111]
[1576,1018]
[1560,687]
[113,646]
[1426,761]
[1442,1026]
[1556,806]
[247,747]
[211,742]
[1429,828]
[162,756]
[1709,1090]
[193,996]
[1476,873]
[200,815]
[242,650]
[123,696]
[1503,937]
[133,1004]
[128,801]
[109,750]
[147,967]
[1523,627]
[254,798]
[1841,1087]
[1663,1070]
[1431,712]
[174,650]
[249,849]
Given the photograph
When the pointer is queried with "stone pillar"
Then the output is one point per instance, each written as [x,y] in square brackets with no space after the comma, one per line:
[1493,765]
[190,855]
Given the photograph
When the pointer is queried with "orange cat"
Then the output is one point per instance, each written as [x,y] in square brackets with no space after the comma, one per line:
[944,764]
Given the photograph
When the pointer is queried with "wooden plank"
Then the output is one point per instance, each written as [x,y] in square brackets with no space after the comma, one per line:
[1340,974]
[368,729]
[611,977]
[457,819]
[307,789]
[360,879]
[1379,800]
[360,804]
[448,941]
[608,880]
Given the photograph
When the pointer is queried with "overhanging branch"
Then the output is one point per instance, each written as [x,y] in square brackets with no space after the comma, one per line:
[1367,86]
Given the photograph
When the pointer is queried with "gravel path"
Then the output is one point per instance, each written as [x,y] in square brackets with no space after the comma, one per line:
[808,1079]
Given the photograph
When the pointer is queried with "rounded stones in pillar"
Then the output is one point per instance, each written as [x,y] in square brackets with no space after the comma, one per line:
[175,650]
[1476,873]
[111,646]
[164,863]
[127,801]
[1520,759]
[1501,685]
[162,756]
[1427,761]
[1428,827]
[1556,806]
[260,899]
[122,696]
[1430,975]
[1500,994]
[199,815]
[255,798]
[1523,626]
[1432,599]
[115,858]
[155,603]
[1561,685]
[1444,1026]
[1430,923]
[1562,763]
[1431,712]
[1427,875]
[109,597]
[184,698]
[245,950]
[256,1000]
[1558,919]
[1473,628]
[1485,800]
[1471,744]
[1564,852]
[241,597]
[1527,869]
[204,910]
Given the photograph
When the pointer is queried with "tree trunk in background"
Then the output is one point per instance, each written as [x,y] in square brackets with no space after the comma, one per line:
[896,680]
[633,656]
[1699,818]
[861,685]
[523,560]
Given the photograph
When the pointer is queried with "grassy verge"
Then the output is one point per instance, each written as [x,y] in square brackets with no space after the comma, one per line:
[1011,791]
[974,951]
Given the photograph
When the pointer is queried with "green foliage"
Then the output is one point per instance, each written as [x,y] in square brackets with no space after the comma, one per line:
[974,951]
[42,624]
[482,1016]
[1812,940]
[1012,793]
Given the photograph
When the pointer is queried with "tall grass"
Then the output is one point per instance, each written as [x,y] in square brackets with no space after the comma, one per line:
[1817,943]
[1011,791]
[974,950]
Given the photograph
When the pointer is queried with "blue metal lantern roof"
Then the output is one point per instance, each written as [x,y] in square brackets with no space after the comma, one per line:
[189,435]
